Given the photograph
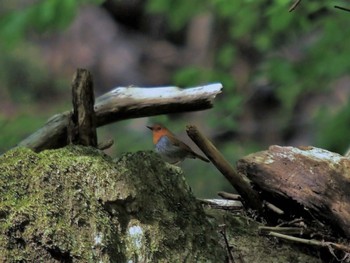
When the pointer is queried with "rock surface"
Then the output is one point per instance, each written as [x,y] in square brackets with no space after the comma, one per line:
[77,205]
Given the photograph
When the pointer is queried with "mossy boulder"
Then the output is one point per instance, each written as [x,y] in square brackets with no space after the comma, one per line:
[76,204]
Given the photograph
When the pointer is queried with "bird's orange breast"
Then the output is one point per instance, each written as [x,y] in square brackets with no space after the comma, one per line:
[157,135]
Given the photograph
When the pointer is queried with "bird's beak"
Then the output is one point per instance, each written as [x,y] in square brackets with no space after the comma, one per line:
[149,127]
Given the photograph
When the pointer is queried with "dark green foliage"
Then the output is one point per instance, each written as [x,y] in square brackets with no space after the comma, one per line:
[335,129]
[14,130]
[47,15]
[296,54]
[179,12]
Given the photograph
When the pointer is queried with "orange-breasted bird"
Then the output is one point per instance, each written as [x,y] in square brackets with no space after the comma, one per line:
[170,148]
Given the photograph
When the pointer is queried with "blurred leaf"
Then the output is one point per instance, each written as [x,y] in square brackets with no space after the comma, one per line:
[334,129]
[24,77]
[42,16]
[226,56]
[15,129]
[178,12]
[278,19]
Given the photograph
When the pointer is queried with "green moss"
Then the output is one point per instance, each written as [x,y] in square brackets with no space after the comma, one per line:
[76,204]
[49,209]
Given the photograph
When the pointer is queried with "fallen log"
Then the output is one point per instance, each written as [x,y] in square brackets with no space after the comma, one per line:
[314,178]
[126,103]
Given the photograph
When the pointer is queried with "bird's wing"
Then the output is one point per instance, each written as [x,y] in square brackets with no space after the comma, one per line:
[176,142]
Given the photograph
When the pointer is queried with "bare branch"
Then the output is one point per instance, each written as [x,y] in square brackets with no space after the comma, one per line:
[342,8]
[126,103]
[313,242]
[249,197]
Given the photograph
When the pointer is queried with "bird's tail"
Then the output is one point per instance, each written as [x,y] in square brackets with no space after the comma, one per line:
[196,155]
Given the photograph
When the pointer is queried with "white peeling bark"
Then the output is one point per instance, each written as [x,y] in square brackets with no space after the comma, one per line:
[126,103]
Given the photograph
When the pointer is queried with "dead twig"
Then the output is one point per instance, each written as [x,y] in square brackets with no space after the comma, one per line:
[312,242]
[274,208]
[265,230]
[228,248]
[342,8]
[229,196]
[289,223]
[249,197]
[295,4]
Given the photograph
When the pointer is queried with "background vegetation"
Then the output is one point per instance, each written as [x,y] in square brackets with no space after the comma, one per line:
[285,75]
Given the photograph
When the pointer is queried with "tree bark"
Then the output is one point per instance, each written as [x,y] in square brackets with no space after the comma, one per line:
[314,178]
[82,124]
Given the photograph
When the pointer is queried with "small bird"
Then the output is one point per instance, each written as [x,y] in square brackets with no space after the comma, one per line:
[170,148]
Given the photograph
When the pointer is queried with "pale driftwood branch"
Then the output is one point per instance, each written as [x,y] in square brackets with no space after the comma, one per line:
[250,198]
[222,204]
[132,102]
[126,103]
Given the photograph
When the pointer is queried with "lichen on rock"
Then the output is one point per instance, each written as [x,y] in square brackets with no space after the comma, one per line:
[76,204]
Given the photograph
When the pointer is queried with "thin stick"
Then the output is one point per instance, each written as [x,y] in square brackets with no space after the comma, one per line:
[265,230]
[295,4]
[229,254]
[274,208]
[249,197]
[294,221]
[312,242]
[229,196]
[342,8]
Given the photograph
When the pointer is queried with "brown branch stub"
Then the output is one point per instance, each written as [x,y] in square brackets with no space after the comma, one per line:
[105,144]
[295,4]
[82,124]
[249,197]
[229,196]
